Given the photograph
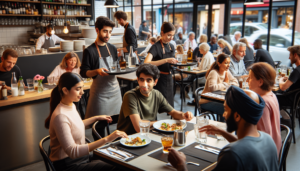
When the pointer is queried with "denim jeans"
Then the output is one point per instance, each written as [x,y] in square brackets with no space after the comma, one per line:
[214,107]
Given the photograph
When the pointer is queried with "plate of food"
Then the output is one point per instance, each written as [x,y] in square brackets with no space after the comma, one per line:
[136,140]
[169,125]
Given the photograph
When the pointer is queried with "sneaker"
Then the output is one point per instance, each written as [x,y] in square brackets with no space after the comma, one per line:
[191,103]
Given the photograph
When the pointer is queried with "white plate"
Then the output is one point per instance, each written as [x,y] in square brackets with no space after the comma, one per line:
[148,140]
[157,124]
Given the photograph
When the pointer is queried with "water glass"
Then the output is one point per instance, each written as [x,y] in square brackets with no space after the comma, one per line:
[167,142]
[201,122]
[179,58]
[14,91]
[114,66]
[144,127]
[30,84]
[132,62]
[50,80]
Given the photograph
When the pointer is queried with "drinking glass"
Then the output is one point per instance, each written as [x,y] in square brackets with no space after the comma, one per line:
[179,58]
[288,71]
[144,127]
[283,70]
[50,80]
[30,84]
[167,142]
[201,122]
[114,66]
[241,82]
[184,59]
[35,85]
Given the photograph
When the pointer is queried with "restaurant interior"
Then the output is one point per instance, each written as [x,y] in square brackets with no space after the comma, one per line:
[24,24]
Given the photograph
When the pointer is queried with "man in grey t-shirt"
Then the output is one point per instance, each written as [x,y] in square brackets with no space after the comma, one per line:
[251,149]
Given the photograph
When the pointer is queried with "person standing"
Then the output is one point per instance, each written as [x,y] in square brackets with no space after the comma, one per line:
[162,54]
[129,37]
[144,32]
[49,39]
[105,96]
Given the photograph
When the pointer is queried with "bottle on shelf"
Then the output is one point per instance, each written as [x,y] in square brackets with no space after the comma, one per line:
[14,85]
[190,53]
[9,8]
[21,87]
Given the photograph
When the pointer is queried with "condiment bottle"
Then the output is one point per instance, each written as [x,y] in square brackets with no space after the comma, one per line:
[3,92]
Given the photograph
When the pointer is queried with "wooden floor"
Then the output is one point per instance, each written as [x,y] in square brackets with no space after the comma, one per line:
[293,163]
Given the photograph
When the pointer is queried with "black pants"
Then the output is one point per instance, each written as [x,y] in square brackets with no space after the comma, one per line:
[83,164]
[284,100]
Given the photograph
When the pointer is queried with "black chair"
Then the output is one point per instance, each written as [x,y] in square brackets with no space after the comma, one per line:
[98,129]
[285,147]
[201,111]
[45,154]
[293,107]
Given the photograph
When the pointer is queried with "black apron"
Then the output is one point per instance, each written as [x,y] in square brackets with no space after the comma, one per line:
[165,82]
[48,43]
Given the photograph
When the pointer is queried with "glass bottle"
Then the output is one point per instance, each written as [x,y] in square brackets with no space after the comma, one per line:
[122,61]
[190,53]
[21,87]
[14,85]
[131,58]
[3,92]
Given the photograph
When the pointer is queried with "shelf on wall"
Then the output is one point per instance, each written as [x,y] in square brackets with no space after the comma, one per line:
[61,3]
[20,1]
[68,16]
[19,15]
[16,25]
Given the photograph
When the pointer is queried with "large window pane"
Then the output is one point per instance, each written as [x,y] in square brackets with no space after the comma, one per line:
[236,18]
[127,2]
[137,14]
[202,16]
[217,21]
[128,12]
[183,18]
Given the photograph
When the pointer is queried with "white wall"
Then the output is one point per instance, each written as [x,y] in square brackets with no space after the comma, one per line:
[100,10]
[15,35]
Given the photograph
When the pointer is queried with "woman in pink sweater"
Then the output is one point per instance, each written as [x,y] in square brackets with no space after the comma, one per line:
[67,131]
[261,80]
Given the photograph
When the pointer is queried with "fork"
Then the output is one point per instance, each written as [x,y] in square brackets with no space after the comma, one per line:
[115,147]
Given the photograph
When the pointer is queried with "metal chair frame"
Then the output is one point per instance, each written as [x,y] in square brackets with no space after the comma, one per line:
[284,148]
[98,135]
[198,106]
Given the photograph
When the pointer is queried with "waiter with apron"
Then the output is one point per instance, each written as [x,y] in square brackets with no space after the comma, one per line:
[129,37]
[105,96]
[162,54]
[49,39]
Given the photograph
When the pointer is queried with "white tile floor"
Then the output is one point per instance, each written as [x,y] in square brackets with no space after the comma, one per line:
[293,163]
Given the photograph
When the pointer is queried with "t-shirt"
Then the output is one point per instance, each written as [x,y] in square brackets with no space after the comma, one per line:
[90,57]
[248,154]
[264,56]
[270,120]
[249,57]
[143,36]
[6,76]
[157,53]
[147,107]
[130,38]
[213,47]
[295,79]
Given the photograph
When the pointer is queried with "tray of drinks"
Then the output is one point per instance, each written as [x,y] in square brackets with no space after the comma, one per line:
[119,71]
[185,64]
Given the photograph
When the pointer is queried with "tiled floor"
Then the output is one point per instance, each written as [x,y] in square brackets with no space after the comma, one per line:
[293,163]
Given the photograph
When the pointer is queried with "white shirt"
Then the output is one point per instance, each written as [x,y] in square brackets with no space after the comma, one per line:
[186,44]
[234,41]
[207,60]
[173,43]
[58,71]
[40,42]
[145,52]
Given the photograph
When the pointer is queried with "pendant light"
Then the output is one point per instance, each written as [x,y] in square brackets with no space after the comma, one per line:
[111,4]
[253,2]
[52,32]
[66,30]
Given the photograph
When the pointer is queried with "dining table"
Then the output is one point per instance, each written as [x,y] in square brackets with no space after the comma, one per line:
[151,157]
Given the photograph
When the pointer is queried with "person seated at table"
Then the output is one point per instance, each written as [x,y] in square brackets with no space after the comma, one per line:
[144,102]
[235,39]
[207,59]
[237,66]
[70,63]
[249,56]
[196,52]
[262,55]
[292,82]
[226,47]
[179,39]
[191,40]
[180,51]
[217,78]
[213,43]
[251,149]
[145,52]
[261,80]
[69,150]
[8,65]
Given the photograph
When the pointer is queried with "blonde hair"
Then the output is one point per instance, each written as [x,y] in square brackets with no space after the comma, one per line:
[68,56]
[204,46]
[244,40]
[203,38]
[179,49]
[225,43]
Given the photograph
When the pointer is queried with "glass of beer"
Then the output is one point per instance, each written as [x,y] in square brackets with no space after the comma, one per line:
[241,82]
[167,142]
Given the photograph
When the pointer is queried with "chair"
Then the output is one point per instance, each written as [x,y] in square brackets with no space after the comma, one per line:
[48,163]
[201,111]
[285,147]
[98,129]
[293,108]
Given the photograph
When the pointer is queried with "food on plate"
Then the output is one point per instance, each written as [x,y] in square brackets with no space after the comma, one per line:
[167,127]
[135,141]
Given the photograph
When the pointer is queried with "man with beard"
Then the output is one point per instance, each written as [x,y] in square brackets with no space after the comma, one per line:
[237,66]
[144,102]
[213,43]
[105,96]
[49,39]
[8,66]
[293,81]
[251,149]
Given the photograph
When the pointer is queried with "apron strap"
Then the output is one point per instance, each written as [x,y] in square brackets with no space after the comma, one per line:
[163,47]
[99,50]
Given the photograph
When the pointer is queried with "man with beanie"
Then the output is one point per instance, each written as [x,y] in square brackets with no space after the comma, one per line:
[251,149]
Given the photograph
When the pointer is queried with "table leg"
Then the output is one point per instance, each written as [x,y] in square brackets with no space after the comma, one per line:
[195,112]
[181,91]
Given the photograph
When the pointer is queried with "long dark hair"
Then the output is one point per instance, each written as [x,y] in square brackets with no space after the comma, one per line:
[167,27]
[215,65]
[68,80]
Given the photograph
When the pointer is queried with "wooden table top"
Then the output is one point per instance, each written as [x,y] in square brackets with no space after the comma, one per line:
[33,95]
[129,77]
[194,71]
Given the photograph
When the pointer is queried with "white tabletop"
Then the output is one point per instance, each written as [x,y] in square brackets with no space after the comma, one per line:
[146,162]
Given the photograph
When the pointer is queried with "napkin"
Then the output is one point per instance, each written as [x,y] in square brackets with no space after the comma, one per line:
[122,155]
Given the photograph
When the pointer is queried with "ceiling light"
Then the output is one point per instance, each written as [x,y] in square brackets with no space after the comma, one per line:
[111,4]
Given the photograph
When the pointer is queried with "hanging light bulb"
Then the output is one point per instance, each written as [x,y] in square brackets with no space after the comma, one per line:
[111,4]
[52,32]
[66,31]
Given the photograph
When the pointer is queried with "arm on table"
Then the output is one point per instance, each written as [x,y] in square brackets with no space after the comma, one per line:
[284,83]
[211,129]
[135,119]
[178,115]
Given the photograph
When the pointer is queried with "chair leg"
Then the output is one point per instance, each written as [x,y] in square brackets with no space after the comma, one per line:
[293,126]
